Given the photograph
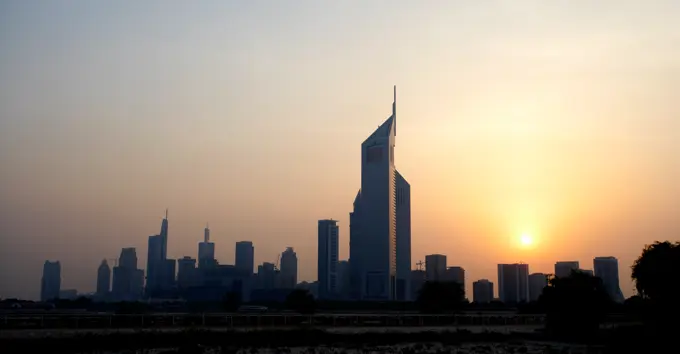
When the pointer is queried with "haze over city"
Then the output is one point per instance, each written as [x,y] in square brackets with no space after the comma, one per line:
[552,121]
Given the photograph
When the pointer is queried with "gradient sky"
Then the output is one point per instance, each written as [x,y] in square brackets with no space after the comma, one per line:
[560,119]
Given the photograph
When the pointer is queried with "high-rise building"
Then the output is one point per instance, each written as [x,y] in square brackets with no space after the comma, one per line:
[513,283]
[103,279]
[482,291]
[455,274]
[245,257]
[537,282]
[564,269]
[289,269]
[403,238]
[435,267]
[267,276]
[344,280]
[206,251]
[328,249]
[128,281]
[51,281]
[186,272]
[158,276]
[607,269]
[373,223]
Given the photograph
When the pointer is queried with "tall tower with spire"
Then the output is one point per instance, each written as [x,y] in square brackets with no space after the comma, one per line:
[206,250]
[373,223]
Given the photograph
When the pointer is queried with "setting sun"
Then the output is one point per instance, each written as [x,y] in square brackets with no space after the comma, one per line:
[526,240]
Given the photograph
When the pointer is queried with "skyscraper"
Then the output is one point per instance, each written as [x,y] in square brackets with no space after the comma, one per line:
[435,267]
[50,284]
[537,282]
[373,223]
[564,269]
[482,291]
[245,257]
[128,281]
[103,279]
[157,269]
[289,269]
[403,238]
[513,283]
[328,248]
[186,272]
[607,269]
[206,250]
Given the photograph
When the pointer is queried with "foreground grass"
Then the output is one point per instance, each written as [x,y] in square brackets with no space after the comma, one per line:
[192,340]
[320,341]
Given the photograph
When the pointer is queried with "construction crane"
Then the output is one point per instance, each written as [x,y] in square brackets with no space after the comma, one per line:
[420,265]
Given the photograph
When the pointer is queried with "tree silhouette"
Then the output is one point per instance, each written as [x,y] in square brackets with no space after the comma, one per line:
[575,305]
[301,300]
[439,297]
[657,272]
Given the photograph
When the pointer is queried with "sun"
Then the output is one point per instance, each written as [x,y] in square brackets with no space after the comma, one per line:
[526,240]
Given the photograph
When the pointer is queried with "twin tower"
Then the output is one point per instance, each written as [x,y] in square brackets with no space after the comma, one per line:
[380,225]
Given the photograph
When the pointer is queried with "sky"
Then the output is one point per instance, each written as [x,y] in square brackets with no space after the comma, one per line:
[557,119]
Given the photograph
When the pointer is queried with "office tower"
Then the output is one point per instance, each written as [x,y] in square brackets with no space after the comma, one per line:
[343,284]
[373,224]
[564,269]
[128,281]
[289,268]
[537,282]
[245,257]
[206,250]
[435,267]
[267,276]
[403,238]
[482,291]
[158,276]
[186,272]
[456,274]
[51,281]
[607,269]
[128,258]
[103,279]
[513,283]
[328,249]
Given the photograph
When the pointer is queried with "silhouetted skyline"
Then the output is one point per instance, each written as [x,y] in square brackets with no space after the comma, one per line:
[557,120]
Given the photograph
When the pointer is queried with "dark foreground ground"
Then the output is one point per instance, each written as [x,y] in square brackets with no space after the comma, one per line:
[620,340]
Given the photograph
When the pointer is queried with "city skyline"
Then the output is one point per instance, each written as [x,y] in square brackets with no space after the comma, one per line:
[551,119]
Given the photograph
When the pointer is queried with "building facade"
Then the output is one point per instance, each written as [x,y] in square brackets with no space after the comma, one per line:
[245,257]
[564,269]
[328,249]
[373,222]
[537,282]
[513,283]
[50,284]
[482,291]
[289,269]
[435,267]
[607,269]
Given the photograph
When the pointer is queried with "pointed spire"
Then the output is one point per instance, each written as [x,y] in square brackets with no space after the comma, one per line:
[394,110]
[166,213]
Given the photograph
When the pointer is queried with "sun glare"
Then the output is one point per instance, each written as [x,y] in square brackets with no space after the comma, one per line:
[526,240]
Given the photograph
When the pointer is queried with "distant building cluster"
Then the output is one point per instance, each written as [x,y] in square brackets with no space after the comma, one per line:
[379,267]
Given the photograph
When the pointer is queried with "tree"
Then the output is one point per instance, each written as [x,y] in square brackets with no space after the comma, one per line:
[575,305]
[657,273]
[231,301]
[301,300]
[439,297]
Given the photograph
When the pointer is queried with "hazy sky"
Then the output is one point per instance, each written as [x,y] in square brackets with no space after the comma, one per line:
[560,119]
